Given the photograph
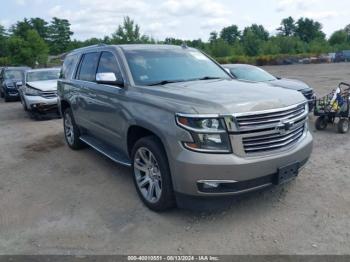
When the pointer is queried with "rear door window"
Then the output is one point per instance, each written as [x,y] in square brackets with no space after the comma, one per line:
[88,67]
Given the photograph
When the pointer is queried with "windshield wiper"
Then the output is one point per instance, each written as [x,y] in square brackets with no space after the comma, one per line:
[209,78]
[164,82]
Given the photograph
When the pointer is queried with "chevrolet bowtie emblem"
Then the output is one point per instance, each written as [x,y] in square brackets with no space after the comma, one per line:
[284,127]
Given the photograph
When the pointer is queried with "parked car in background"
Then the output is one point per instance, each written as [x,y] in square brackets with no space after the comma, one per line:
[256,74]
[39,92]
[11,78]
[342,56]
[183,124]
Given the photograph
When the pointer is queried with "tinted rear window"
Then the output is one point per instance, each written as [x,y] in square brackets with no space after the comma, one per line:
[69,66]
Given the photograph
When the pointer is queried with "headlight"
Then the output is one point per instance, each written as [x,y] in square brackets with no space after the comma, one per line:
[10,86]
[209,133]
[31,91]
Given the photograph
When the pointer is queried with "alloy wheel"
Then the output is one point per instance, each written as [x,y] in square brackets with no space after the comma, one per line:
[69,129]
[148,175]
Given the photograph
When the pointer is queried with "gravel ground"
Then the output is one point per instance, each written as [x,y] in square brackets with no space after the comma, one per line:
[57,201]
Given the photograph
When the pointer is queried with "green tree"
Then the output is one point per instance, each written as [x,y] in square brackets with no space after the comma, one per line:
[38,48]
[29,50]
[41,26]
[347,29]
[20,28]
[18,50]
[128,32]
[258,30]
[271,47]
[213,36]
[252,43]
[230,34]
[220,48]
[319,46]
[339,37]
[287,27]
[308,30]
[59,35]
[3,42]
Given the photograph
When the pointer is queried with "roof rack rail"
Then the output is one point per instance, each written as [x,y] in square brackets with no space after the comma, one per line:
[90,46]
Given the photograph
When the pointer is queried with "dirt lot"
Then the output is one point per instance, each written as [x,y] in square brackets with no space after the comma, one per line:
[57,201]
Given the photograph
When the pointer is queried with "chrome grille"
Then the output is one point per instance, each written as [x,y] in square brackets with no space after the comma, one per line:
[267,132]
[257,121]
[273,141]
[48,94]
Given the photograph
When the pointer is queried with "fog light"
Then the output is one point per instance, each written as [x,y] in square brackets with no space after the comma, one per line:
[207,185]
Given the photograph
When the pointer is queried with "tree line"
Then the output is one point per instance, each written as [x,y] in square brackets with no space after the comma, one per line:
[31,41]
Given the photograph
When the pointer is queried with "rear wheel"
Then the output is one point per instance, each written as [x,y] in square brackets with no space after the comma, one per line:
[71,131]
[343,126]
[151,174]
[321,123]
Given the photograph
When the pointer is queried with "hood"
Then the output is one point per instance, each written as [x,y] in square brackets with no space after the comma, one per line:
[290,84]
[12,82]
[223,96]
[47,85]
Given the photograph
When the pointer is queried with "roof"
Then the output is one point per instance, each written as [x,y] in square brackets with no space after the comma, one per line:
[131,47]
[238,66]
[17,67]
[151,47]
[44,69]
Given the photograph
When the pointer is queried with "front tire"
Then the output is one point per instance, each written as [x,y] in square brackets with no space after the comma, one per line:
[321,123]
[343,126]
[71,131]
[151,174]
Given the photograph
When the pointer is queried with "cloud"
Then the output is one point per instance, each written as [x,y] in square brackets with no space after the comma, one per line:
[98,17]
[26,2]
[298,5]
[215,23]
[21,2]
[321,14]
[206,8]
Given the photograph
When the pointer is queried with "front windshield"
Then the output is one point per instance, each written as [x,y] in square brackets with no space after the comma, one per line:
[14,74]
[43,75]
[153,66]
[252,74]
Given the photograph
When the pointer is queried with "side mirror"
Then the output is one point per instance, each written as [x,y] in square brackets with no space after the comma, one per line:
[109,79]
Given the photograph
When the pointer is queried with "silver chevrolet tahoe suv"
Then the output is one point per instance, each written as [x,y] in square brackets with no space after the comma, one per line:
[187,129]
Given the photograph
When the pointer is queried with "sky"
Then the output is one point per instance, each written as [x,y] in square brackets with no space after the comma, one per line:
[185,19]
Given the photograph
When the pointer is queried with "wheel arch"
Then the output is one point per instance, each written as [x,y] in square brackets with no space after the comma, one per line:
[63,105]
[136,132]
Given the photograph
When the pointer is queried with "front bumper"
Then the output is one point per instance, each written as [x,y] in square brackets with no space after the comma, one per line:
[41,104]
[12,93]
[190,169]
